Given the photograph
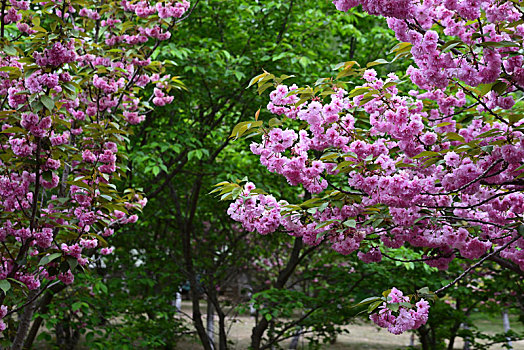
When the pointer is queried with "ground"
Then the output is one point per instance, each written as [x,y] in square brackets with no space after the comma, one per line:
[362,335]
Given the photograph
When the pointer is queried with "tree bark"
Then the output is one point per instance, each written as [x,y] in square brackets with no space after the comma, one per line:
[283,276]
[178,302]
[505,322]
[423,332]
[466,341]
[296,339]
[186,228]
[25,322]
[222,330]
[195,294]
[43,308]
[210,325]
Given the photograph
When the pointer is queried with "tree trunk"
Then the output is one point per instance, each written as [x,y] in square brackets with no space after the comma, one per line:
[25,322]
[423,335]
[185,223]
[210,325]
[42,309]
[455,328]
[195,296]
[178,302]
[222,330]
[283,276]
[295,340]
[466,340]
[505,322]
[453,335]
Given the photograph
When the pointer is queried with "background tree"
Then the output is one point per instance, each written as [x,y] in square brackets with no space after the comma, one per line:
[179,152]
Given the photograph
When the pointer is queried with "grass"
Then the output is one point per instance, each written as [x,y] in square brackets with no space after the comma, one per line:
[492,324]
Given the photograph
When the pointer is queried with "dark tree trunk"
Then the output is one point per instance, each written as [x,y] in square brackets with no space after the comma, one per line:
[283,277]
[423,335]
[43,308]
[24,322]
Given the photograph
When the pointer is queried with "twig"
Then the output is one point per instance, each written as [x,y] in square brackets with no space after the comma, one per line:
[495,251]
[416,260]
[32,299]
[188,13]
[340,189]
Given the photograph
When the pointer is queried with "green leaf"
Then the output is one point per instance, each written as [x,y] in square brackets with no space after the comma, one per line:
[5,286]
[239,75]
[10,50]
[484,88]
[404,165]
[377,62]
[73,263]
[499,87]
[76,306]
[450,45]
[48,258]
[358,91]
[256,79]
[393,307]
[453,136]
[48,102]
[374,305]
[426,154]
[275,122]
[325,223]
[242,127]
[401,47]
[310,203]
[13,129]
[405,304]
[21,284]
[9,69]
[352,223]
[499,44]
[156,169]
[329,156]
[424,290]
[368,301]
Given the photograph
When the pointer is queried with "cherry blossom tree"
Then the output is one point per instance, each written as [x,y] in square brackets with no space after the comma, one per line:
[74,75]
[433,162]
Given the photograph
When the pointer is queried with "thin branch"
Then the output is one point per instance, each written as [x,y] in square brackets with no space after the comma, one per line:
[480,177]
[415,260]
[458,218]
[463,274]
[338,188]
[472,205]
[32,299]
[188,13]
[479,100]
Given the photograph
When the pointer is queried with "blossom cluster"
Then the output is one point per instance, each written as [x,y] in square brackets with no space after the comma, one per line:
[385,173]
[256,212]
[478,24]
[404,318]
